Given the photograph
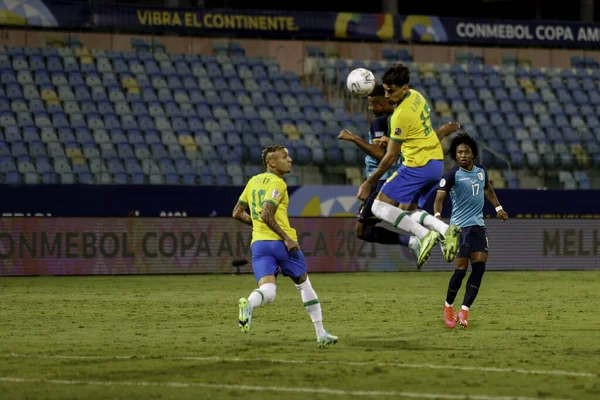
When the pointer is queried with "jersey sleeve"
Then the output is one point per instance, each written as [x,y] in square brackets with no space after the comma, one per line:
[398,127]
[379,128]
[447,181]
[275,192]
[244,196]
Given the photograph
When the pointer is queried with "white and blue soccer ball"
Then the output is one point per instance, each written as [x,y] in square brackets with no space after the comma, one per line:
[360,82]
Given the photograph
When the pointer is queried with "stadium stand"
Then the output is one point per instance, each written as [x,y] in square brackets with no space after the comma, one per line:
[73,115]
[536,125]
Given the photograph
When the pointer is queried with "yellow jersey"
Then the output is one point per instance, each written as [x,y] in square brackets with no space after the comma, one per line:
[267,187]
[411,124]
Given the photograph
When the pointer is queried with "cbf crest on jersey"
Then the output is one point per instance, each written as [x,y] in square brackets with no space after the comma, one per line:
[480,175]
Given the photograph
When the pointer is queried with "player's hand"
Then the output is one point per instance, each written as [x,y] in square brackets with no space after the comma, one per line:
[291,245]
[502,215]
[448,128]
[345,134]
[363,191]
[382,142]
[438,217]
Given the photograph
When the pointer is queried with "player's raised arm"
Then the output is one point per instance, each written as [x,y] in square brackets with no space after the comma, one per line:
[490,194]
[372,150]
[447,129]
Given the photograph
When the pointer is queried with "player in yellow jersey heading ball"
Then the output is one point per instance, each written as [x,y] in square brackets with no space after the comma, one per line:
[274,242]
[406,191]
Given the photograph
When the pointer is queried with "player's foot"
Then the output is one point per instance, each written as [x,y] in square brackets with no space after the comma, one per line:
[461,317]
[449,316]
[414,245]
[427,244]
[451,242]
[326,340]
[245,315]
[443,248]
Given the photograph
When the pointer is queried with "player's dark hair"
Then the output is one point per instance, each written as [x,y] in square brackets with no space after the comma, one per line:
[271,149]
[398,75]
[463,138]
[378,91]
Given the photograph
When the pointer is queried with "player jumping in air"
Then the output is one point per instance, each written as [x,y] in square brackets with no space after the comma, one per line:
[411,185]
[375,150]
[467,184]
[274,242]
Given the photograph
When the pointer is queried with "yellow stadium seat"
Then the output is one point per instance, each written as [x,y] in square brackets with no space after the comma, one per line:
[353,172]
[129,83]
[78,159]
[48,95]
[86,60]
[427,68]
[442,107]
[186,141]
[82,52]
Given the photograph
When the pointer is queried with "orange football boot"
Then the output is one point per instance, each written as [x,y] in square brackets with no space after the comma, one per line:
[461,317]
[449,316]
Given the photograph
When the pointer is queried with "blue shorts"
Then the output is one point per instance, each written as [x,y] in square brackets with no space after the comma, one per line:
[473,239]
[269,257]
[414,185]
[365,215]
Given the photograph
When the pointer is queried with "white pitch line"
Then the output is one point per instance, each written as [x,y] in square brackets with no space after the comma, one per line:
[339,392]
[322,362]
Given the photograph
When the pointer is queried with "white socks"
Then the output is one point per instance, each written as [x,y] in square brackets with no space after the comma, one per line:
[429,221]
[265,294]
[398,218]
[312,305]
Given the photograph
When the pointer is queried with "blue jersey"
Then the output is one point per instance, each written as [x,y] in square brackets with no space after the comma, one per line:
[467,194]
[380,128]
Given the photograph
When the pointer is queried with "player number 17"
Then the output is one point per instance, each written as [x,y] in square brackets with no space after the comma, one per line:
[475,188]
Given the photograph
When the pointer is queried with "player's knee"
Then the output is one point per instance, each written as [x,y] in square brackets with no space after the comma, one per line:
[268,290]
[305,284]
[478,268]
[378,208]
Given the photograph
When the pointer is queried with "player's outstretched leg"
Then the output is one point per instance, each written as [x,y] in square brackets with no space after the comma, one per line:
[473,284]
[313,307]
[453,287]
[400,219]
[263,295]
[451,233]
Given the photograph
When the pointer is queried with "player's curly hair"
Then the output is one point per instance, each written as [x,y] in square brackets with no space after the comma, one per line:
[398,75]
[463,138]
[271,149]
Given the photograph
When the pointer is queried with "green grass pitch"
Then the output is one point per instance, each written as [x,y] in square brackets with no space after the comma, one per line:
[531,335]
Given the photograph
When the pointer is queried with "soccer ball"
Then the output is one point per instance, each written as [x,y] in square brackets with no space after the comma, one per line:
[360,82]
